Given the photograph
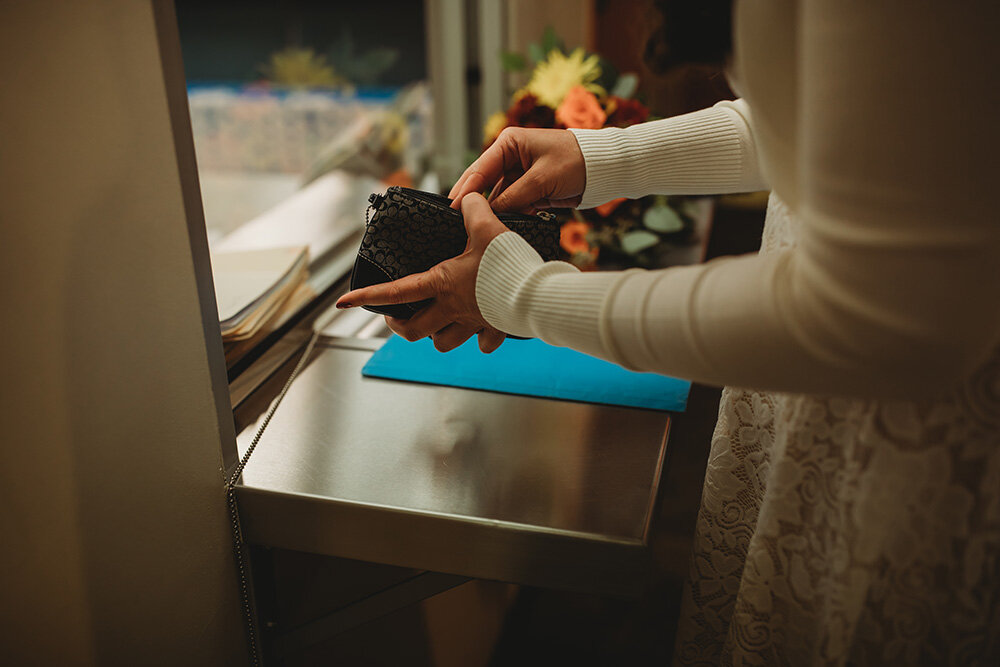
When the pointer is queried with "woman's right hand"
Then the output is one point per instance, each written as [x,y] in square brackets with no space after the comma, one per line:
[527,169]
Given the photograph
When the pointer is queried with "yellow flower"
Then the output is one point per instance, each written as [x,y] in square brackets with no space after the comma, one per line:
[494,125]
[553,77]
[301,67]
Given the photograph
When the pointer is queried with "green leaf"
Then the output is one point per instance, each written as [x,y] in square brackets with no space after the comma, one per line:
[381,59]
[536,53]
[626,85]
[363,68]
[366,69]
[344,47]
[512,62]
[549,40]
[663,219]
[635,242]
[609,74]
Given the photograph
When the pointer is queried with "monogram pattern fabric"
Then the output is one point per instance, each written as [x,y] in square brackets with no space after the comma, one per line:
[843,531]
[411,231]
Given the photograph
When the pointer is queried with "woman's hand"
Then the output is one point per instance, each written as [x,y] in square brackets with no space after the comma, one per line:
[453,317]
[527,169]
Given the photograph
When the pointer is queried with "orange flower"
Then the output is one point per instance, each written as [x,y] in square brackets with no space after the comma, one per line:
[573,237]
[607,208]
[581,109]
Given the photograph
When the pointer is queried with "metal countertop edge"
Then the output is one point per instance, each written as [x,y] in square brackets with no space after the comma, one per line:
[452,544]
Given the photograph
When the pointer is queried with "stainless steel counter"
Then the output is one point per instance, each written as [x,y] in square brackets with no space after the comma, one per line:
[526,490]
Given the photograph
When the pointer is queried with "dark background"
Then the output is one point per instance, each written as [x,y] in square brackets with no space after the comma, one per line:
[228,40]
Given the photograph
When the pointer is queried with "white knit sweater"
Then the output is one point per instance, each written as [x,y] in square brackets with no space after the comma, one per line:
[893,289]
[832,530]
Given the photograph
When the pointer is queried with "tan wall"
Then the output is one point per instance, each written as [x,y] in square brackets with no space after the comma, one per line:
[573,21]
[115,545]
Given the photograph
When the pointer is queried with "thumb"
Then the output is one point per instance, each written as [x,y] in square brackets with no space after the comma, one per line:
[480,221]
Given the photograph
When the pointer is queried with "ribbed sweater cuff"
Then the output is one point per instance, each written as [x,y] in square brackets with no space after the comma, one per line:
[520,294]
[706,152]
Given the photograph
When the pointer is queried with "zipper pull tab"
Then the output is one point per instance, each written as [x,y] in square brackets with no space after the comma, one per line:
[374,202]
[546,216]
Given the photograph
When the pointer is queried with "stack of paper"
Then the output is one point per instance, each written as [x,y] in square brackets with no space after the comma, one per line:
[256,291]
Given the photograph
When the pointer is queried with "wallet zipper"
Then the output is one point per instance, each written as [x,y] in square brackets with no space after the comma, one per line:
[376,200]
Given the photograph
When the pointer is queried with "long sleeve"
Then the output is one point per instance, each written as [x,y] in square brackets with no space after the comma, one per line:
[711,151]
[893,288]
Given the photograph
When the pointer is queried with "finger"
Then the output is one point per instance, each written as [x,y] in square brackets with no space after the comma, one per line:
[487,169]
[504,183]
[490,339]
[426,322]
[400,327]
[509,177]
[396,325]
[522,193]
[573,202]
[452,336]
[414,287]
[458,185]
[476,182]
[500,186]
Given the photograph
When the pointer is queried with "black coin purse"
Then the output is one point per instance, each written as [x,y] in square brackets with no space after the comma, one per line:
[409,231]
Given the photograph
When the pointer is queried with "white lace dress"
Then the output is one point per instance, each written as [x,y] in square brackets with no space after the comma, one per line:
[838,531]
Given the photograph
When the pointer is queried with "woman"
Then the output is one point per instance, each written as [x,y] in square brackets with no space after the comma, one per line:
[851,509]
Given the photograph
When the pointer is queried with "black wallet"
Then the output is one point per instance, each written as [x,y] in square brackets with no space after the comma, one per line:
[409,231]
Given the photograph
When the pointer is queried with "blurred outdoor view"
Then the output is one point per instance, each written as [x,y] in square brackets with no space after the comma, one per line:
[282,94]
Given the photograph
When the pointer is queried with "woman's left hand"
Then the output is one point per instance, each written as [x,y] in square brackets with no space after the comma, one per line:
[453,316]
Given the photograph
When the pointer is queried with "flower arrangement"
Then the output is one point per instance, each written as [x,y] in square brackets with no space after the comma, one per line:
[579,90]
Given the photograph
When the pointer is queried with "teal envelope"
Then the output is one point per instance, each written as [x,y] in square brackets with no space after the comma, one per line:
[528,368]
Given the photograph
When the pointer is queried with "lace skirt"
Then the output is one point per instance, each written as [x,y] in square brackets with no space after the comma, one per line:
[837,531]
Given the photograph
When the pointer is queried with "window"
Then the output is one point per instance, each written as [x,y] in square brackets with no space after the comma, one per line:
[299,111]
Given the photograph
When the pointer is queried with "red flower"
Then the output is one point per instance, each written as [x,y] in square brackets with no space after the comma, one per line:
[527,112]
[624,112]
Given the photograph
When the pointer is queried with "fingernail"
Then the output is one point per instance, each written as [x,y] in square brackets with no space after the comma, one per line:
[343,305]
